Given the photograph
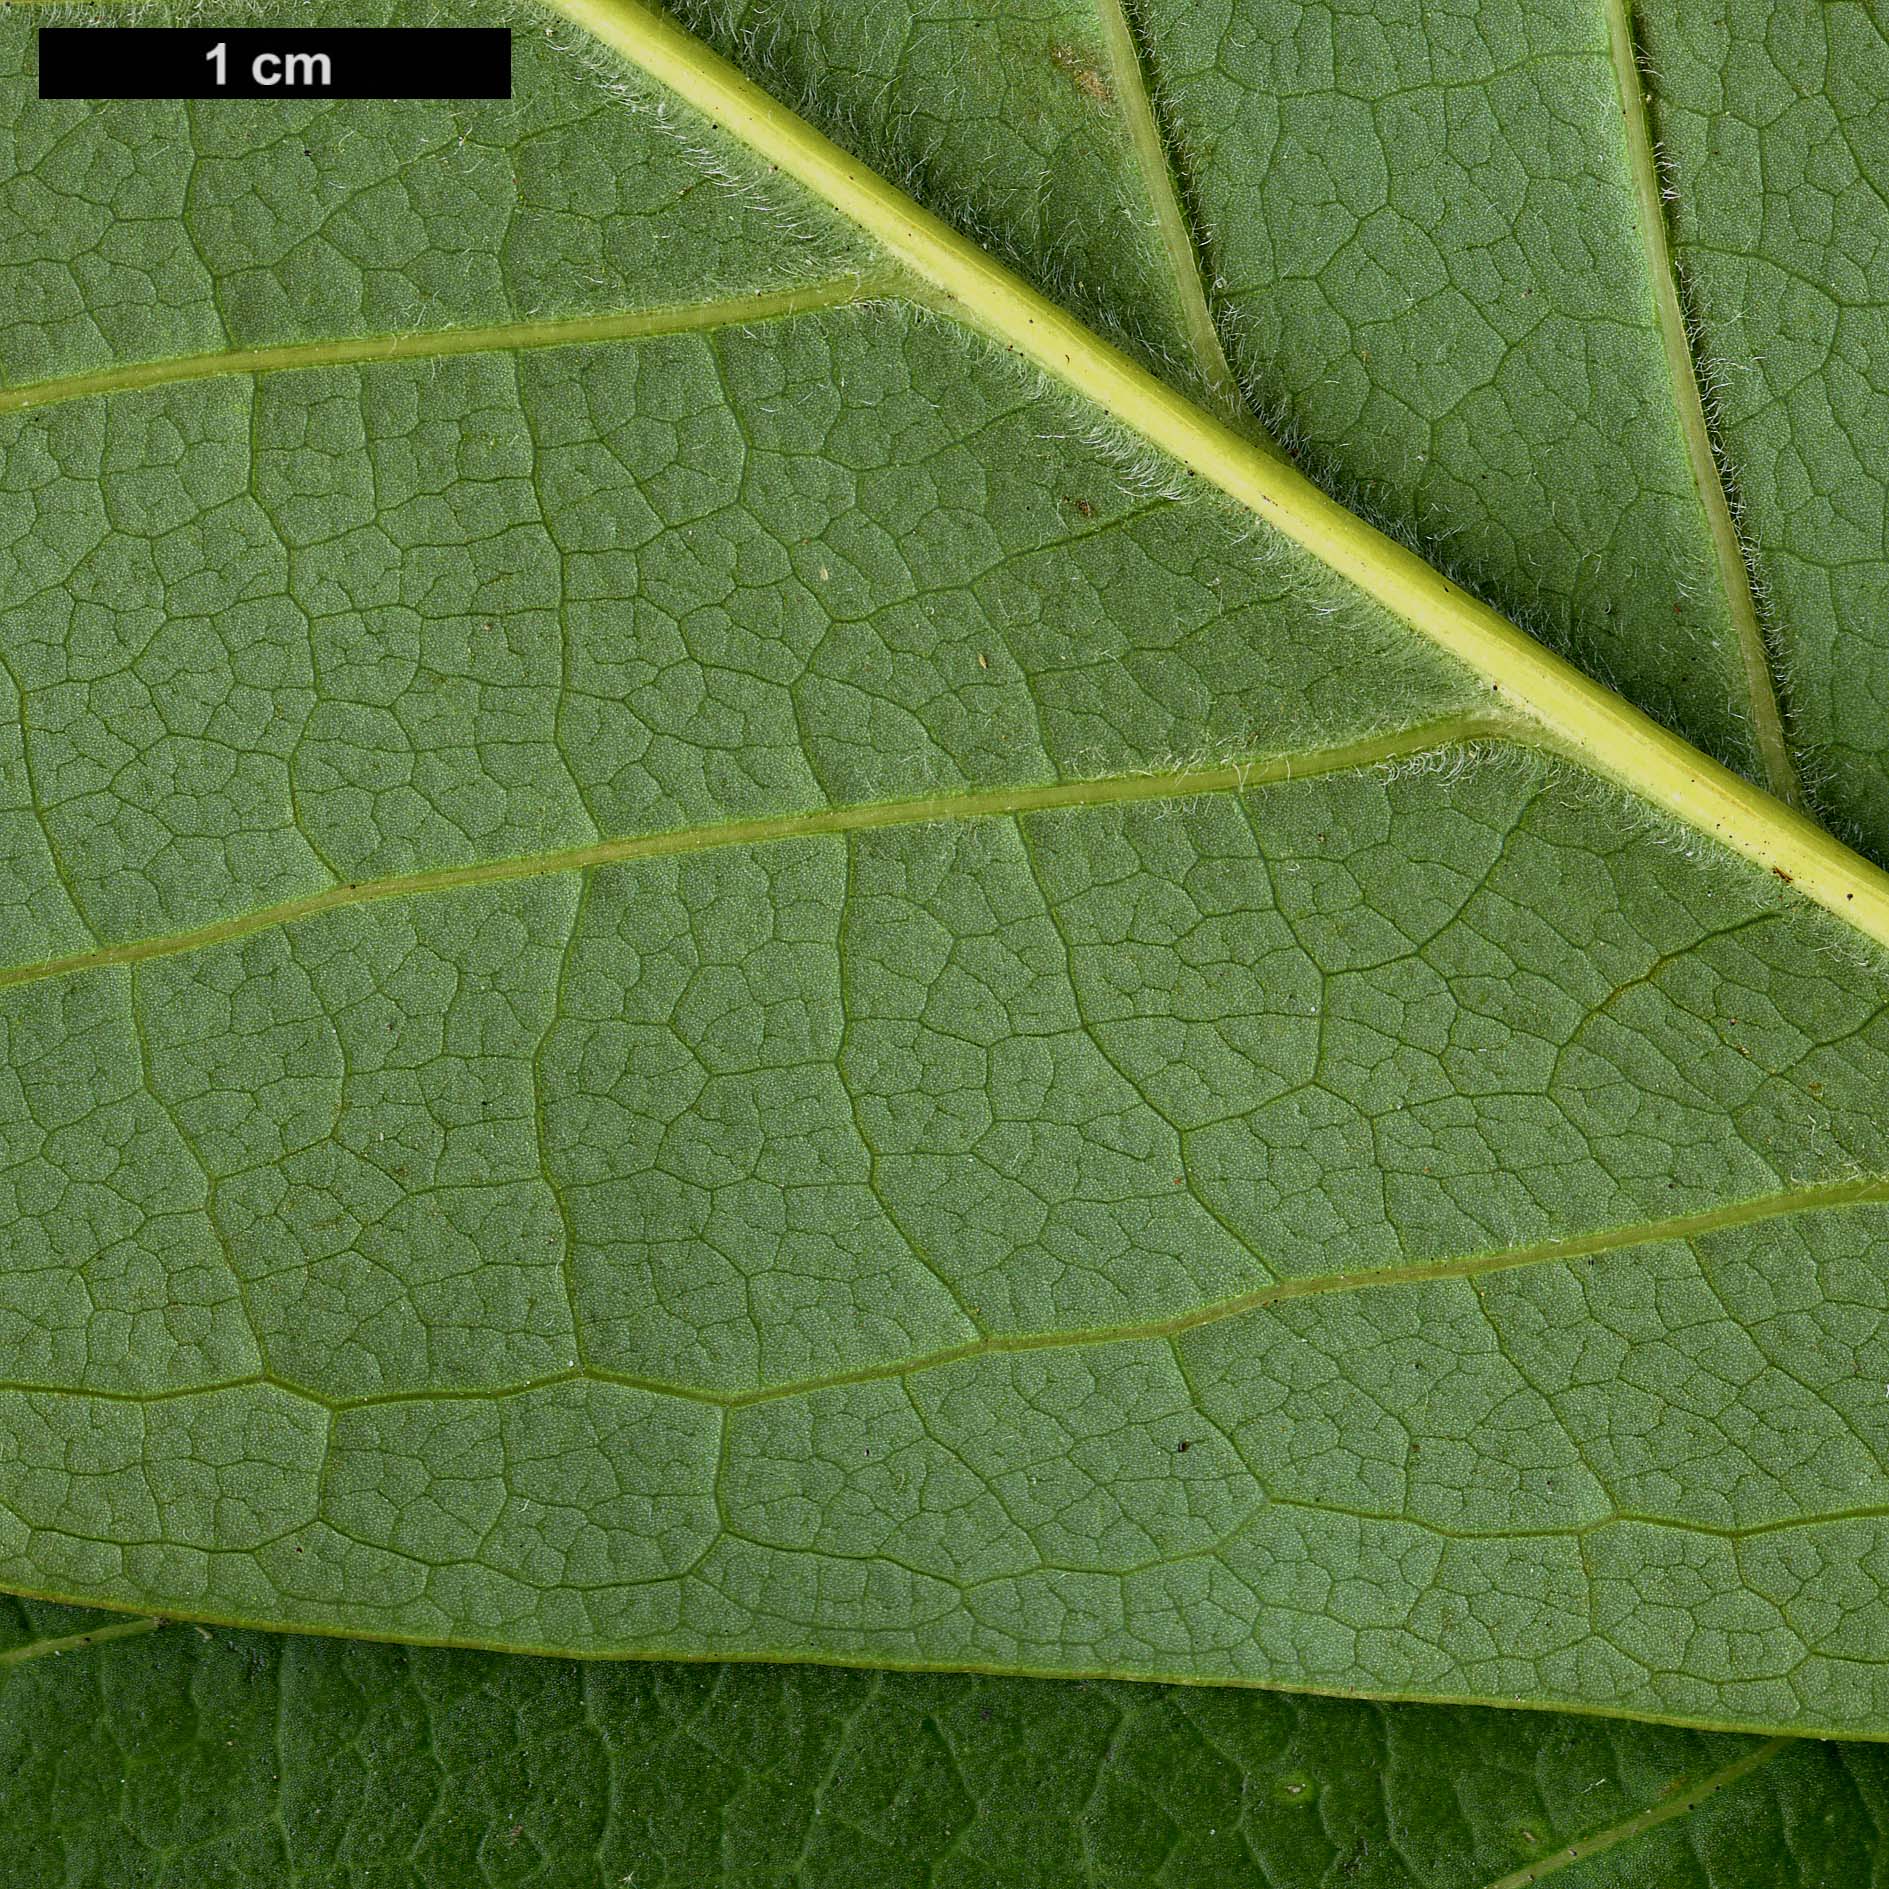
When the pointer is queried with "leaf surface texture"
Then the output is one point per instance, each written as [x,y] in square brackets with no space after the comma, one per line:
[172,1758]
[697,962]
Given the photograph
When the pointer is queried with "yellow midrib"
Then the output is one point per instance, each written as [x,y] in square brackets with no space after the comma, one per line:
[1568,710]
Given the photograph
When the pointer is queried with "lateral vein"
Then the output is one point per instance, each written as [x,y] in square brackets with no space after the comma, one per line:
[1780,767]
[1682,1803]
[1233,776]
[76,1642]
[1828,1194]
[1128,80]
[1574,713]
[634,324]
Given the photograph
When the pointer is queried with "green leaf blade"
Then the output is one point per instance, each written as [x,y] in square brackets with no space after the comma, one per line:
[1419,282]
[1178,1459]
[700,986]
[389,218]
[181,1758]
[396,687]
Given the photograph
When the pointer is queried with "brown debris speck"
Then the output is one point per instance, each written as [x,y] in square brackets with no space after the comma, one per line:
[1083,73]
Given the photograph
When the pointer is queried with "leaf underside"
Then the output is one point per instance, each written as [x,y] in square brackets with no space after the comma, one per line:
[691,968]
[182,1757]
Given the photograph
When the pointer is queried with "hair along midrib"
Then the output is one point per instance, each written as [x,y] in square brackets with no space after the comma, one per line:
[1571,712]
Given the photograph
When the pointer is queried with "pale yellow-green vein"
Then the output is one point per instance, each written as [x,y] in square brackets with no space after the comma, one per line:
[1767,720]
[77,1642]
[1229,776]
[1128,84]
[1682,1802]
[1821,1197]
[1814,1198]
[635,324]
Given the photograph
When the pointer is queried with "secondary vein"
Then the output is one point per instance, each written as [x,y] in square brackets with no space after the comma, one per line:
[1232,776]
[76,1642]
[1681,1803]
[1818,1196]
[1128,80]
[1780,768]
[1573,712]
[635,324]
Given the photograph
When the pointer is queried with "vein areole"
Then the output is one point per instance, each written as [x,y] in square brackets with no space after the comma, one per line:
[1564,710]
